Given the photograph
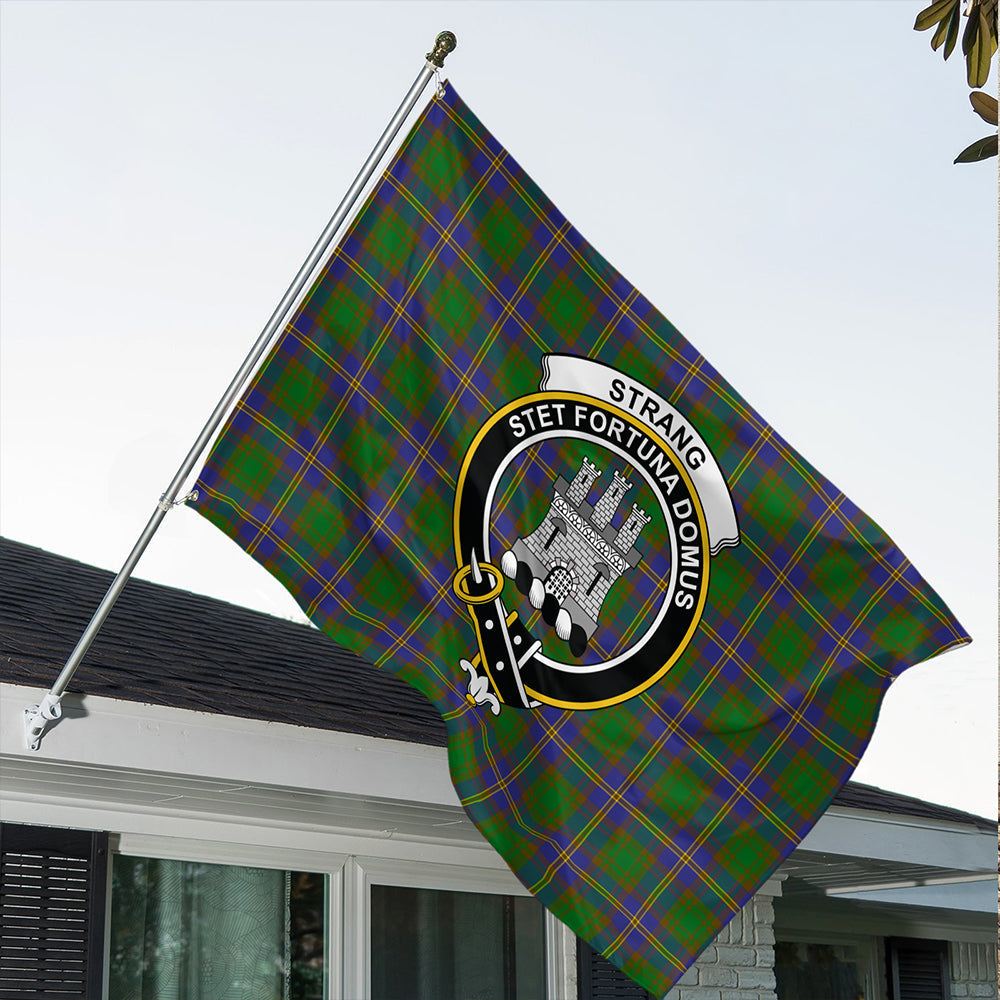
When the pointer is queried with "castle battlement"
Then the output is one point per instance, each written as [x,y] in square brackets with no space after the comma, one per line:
[583,482]
[608,504]
[571,560]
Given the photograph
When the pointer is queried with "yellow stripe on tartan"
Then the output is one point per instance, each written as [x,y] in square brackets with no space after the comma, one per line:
[750,619]
[399,313]
[918,594]
[781,575]
[464,381]
[443,594]
[680,387]
[721,813]
[861,657]
[470,262]
[721,388]
[329,587]
[512,773]
[774,694]
[355,382]
[581,873]
[448,679]
[748,414]
[791,457]
[656,579]
[622,309]
[399,308]
[616,797]
[386,413]
[741,786]
[377,520]
[543,216]
[509,304]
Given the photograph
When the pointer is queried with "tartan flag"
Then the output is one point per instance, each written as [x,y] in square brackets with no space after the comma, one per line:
[659,638]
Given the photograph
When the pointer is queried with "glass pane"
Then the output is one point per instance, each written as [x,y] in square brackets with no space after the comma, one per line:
[807,971]
[185,930]
[433,945]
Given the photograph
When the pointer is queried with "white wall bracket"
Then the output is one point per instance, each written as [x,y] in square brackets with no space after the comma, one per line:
[37,717]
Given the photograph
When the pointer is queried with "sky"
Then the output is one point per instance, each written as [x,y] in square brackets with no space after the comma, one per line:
[776,178]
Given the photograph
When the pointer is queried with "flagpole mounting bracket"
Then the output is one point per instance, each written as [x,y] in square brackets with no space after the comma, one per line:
[443,44]
[37,717]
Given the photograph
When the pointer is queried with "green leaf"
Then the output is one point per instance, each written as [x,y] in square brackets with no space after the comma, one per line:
[985,105]
[942,32]
[981,51]
[970,35]
[981,149]
[954,23]
[930,16]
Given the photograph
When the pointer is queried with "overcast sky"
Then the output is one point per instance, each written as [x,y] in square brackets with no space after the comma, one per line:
[776,177]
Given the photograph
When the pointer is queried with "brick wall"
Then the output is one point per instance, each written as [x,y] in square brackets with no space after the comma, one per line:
[973,970]
[739,964]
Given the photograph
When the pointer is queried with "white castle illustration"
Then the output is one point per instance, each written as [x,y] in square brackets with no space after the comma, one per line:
[568,564]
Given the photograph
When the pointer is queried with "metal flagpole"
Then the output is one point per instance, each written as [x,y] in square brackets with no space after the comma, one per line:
[37,717]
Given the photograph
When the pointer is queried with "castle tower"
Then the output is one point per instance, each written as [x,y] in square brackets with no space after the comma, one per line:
[608,503]
[637,520]
[580,488]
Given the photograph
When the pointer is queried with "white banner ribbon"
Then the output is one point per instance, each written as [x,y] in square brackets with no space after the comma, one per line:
[568,373]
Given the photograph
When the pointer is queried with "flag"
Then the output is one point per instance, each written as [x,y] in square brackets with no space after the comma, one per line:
[658,637]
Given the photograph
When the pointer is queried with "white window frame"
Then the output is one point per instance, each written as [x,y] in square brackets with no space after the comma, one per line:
[329,864]
[361,873]
[349,882]
[170,756]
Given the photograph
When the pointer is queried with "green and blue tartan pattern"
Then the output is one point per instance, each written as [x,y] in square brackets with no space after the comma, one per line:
[646,825]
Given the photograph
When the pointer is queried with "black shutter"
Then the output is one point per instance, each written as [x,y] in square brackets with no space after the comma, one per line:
[918,970]
[53,890]
[600,980]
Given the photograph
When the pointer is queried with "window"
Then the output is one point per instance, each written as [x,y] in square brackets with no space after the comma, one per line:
[805,970]
[192,919]
[429,931]
[432,944]
[183,930]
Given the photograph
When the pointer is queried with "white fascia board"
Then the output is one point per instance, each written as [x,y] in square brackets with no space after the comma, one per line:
[113,733]
[132,735]
[905,839]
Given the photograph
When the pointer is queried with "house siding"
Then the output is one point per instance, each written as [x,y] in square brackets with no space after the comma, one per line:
[973,969]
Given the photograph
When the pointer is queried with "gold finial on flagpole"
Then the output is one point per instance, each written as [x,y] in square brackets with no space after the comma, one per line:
[443,44]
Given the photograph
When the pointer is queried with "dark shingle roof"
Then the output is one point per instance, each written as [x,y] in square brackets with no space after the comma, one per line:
[857,796]
[164,646]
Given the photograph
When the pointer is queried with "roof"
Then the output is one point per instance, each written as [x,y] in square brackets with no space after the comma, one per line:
[169,647]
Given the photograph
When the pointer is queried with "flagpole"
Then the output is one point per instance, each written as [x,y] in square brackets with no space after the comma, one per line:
[37,717]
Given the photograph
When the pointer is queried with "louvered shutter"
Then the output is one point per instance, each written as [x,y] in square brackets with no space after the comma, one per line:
[600,980]
[53,889]
[918,969]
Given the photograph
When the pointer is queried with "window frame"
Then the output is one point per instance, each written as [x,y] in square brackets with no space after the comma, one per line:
[361,873]
[328,864]
[349,880]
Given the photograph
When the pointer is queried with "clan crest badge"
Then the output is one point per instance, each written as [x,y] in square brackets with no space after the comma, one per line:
[586,594]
